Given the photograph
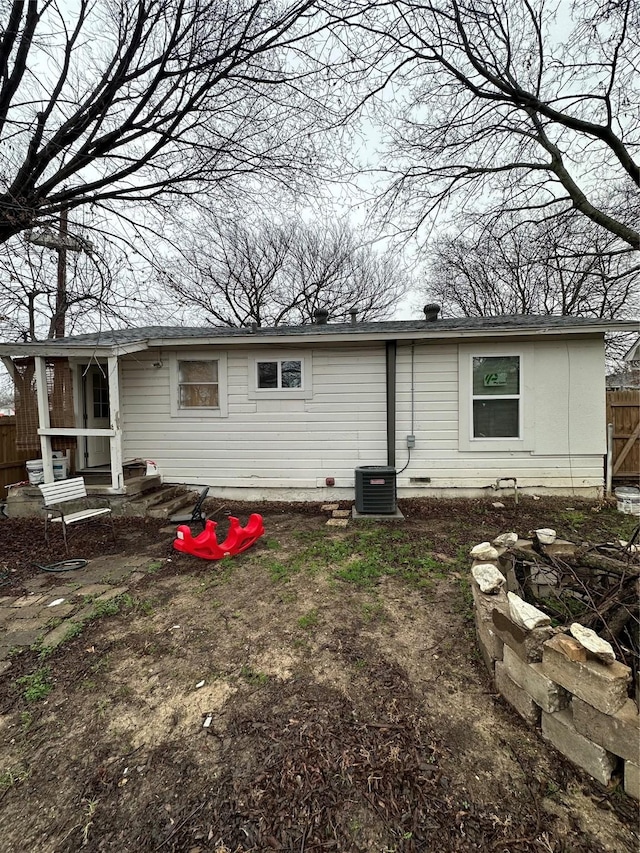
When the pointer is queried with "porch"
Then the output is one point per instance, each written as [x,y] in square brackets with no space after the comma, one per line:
[72,404]
[142,496]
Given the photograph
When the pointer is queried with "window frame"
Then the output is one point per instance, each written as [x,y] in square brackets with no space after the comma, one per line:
[279,362]
[518,397]
[304,392]
[525,441]
[198,412]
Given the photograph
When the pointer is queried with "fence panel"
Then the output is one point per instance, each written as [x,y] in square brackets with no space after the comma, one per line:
[623,411]
[12,469]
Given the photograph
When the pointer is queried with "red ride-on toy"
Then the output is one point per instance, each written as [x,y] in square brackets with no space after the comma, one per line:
[206,546]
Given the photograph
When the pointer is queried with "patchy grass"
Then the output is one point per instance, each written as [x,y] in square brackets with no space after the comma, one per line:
[309,620]
[360,556]
[251,676]
[35,686]
[342,680]
[11,777]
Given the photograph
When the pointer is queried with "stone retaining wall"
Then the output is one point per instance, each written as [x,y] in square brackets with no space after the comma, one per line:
[581,703]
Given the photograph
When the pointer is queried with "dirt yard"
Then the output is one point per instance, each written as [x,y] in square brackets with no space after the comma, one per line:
[320,692]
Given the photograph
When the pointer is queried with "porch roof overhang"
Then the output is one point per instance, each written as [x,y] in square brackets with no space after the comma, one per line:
[125,341]
[65,348]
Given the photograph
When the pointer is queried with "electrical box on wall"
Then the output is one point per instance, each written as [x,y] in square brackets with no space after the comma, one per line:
[411,441]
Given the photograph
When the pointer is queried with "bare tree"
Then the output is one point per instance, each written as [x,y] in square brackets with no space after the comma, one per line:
[138,100]
[533,104]
[567,267]
[520,267]
[239,273]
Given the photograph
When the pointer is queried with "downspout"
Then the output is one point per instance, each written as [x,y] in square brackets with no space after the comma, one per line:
[391,347]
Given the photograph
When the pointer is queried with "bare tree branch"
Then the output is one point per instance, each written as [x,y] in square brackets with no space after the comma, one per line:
[525,102]
[235,274]
[140,99]
[517,266]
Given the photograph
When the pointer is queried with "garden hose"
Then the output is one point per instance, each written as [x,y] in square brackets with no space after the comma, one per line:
[64,566]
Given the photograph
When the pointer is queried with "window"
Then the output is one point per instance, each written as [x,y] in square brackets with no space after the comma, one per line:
[279,374]
[198,385]
[496,396]
[100,388]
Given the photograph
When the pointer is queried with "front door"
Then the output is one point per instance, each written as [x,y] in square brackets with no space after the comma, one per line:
[95,400]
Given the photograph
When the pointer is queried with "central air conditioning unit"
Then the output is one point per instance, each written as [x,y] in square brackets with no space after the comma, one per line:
[376,490]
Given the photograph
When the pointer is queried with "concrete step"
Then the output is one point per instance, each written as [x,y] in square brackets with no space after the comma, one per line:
[168,508]
[161,495]
[144,503]
[139,485]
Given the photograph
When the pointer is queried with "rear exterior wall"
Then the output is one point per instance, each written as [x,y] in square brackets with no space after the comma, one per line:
[277,448]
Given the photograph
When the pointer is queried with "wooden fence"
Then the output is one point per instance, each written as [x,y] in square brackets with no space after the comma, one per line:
[623,411]
[12,469]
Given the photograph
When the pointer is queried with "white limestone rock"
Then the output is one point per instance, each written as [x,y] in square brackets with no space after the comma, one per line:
[484,551]
[546,535]
[488,577]
[526,615]
[590,641]
[505,540]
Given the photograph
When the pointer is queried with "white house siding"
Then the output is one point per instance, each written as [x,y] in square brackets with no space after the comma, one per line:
[284,449]
[263,445]
[568,425]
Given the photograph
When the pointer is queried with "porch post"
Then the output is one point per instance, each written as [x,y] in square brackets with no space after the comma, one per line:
[115,442]
[44,421]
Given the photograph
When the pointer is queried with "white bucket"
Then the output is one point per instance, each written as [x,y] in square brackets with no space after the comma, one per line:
[60,469]
[35,471]
[628,499]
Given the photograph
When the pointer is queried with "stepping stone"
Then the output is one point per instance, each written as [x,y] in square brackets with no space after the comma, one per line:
[93,589]
[112,593]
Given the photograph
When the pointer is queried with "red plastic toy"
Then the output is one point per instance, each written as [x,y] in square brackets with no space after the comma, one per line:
[205,545]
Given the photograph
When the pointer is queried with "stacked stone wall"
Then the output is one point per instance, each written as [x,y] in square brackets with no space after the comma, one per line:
[580,698]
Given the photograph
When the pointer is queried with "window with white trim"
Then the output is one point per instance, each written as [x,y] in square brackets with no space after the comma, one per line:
[496,396]
[198,385]
[280,373]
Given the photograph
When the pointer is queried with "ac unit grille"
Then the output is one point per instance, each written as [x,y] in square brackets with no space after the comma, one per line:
[375,489]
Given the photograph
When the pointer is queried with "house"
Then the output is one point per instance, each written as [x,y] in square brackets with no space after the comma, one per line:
[457,406]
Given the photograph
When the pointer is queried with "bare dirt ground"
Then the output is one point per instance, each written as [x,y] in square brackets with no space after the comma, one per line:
[347,707]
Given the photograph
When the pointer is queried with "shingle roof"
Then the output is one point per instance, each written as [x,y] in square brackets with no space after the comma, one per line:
[113,340]
[514,322]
